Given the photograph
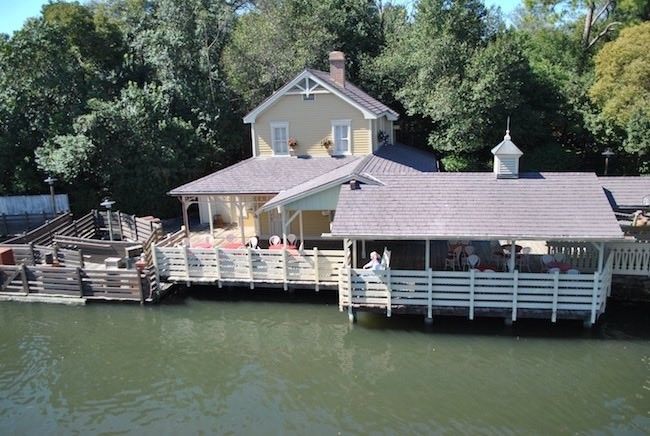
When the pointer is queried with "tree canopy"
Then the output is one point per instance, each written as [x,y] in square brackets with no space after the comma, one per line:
[130,98]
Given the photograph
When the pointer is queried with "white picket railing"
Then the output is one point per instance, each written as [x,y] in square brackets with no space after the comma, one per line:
[629,257]
[307,267]
[507,291]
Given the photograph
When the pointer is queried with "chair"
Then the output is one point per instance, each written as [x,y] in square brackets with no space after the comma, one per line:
[524,259]
[230,238]
[274,240]
[553,270]
[573,271]
[546,259]
[559,257]
[252,242]
[488,270]
[469,250]
[473,261]
[291,239]
[453,258]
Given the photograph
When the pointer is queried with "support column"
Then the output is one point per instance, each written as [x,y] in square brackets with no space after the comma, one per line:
[427,254]
[302,231]
[210,217]
[240,211]
[513,255]
[601,256]
[186,221]
[283,216]
[354,254]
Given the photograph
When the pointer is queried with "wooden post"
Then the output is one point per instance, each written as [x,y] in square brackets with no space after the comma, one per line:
[210,218]
[363,249]
[186,220]
[119,222]
[427,254]
[82,263]
[240,208]
[140,287]
[389,303]
[283,217]
[350,314]
[32,252]
[594,297]
[187,264]
[556,283]
[430,293]
[74,226]
[515,289]
[513,254]
[55,249]
[154,259]
[472,274]
[23,278]
[250,267]
[354,254]
[80,282]
[216,252]
[316,269]
[601,255]
[135,227]
[285,268]
[302,230]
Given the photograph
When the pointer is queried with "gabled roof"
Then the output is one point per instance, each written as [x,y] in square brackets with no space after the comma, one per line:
[478,206]
[370,107]
[626,192]
[389,159]
[262,175]
[336,177]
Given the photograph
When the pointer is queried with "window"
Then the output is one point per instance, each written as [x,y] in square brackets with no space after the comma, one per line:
[341,136]
[280,138]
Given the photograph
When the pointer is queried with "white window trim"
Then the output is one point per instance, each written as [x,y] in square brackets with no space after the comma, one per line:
[274,125]
[345,123]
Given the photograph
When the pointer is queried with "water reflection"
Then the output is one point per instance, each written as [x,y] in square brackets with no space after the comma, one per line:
[274,362]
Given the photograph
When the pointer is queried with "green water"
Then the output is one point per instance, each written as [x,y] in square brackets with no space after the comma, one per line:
[286,365]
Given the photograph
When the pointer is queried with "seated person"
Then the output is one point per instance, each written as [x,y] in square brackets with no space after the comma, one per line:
[374,263]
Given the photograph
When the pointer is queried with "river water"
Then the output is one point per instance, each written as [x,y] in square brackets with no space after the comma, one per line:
[287,364]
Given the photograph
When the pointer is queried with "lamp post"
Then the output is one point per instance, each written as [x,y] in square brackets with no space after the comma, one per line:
[50,181]
[108,204]
[607,153]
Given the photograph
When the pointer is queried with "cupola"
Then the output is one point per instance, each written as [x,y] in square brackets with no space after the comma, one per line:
[506,158]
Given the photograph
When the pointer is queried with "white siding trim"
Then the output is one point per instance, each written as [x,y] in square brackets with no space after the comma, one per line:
[254,140]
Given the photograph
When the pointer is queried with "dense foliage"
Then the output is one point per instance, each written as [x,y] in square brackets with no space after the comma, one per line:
[131,98]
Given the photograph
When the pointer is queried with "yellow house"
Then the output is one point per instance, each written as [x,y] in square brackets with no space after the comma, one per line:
[314,134]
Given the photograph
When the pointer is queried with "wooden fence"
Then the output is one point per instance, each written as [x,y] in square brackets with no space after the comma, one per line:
[32,254]
[502,292]
[128,227]
[629,257]
[287,267]
[15,224]
[116,284]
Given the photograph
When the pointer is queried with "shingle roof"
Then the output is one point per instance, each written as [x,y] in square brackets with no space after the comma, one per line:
[398,159]
[350,90]
[259,175]
[626,192]
[543,206]
[332,178]
[389,159]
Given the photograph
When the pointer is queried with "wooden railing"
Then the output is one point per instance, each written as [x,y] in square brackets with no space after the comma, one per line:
[115,284]
[508,292]
[129,227]
[288,267]
[32,254]
[14,224]
[629,257]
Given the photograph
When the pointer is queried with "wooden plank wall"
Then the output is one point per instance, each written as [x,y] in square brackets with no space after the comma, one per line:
[128,227]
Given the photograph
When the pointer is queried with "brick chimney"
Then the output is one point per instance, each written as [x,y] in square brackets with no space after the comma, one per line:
[337,67]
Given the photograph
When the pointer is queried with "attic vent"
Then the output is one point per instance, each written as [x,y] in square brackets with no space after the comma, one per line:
[309,97]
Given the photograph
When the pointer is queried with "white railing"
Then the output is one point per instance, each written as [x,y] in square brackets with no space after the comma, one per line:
[503,291]
[307,267]
[629,257]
